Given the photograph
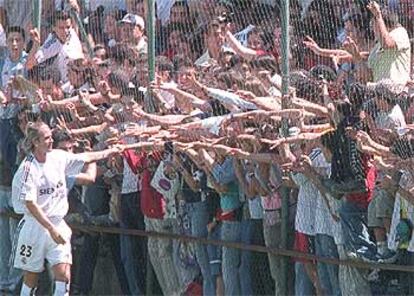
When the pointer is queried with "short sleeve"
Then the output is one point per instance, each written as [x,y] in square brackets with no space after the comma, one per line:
[28,190]
[401,38]
[49,49]
[70,182]
[24,185]
[73,163]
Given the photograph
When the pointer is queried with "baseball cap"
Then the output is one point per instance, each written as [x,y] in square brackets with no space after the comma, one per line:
[134,19]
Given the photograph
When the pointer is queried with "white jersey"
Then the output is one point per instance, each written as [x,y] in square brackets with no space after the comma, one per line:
[45,183]
[64,52]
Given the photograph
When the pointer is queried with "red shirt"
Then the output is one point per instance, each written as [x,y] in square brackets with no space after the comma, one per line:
[261,52]
[152,202]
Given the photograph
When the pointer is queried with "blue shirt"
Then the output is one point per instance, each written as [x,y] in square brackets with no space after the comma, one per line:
[70,182]
[8,68]
[224,173]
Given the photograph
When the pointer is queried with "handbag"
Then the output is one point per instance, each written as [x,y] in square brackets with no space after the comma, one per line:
[168,188]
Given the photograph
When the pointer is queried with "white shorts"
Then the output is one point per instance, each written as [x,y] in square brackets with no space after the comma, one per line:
[33,245]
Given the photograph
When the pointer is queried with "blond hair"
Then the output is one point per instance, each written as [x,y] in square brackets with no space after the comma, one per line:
[32,133]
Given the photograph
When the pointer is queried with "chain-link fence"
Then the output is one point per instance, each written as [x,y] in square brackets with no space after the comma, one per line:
[220,147]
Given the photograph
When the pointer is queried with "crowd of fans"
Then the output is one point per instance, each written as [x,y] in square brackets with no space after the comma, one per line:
[207,152]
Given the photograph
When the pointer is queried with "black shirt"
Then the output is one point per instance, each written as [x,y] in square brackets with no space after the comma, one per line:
[347,162]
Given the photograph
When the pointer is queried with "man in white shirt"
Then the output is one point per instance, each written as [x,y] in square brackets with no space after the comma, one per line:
[39,192]
[62,44]
[391,56]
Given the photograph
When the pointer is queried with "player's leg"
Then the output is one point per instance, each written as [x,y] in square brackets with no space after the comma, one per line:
[60,258]
[61,272]
[28,253]
[29,283]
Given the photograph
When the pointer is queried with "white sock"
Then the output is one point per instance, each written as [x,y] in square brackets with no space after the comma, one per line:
[61,289]
[27,291]
[381,247]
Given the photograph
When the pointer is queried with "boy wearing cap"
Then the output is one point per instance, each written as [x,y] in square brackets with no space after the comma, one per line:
[132,32]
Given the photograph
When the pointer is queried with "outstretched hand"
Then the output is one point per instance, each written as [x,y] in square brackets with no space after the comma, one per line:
[311,44]
[374,8]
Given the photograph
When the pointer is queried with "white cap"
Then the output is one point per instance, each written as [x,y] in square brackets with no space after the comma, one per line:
[134,19]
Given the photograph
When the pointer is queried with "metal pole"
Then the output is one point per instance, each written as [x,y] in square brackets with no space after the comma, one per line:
[285,47]
[151,39]
[148,98]
[285,92]
[151,75]
[37,14]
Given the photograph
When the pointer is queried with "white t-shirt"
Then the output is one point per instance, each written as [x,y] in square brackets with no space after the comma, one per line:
[393,63]
[45,183]
[324,222]
[70,50]
[391,120]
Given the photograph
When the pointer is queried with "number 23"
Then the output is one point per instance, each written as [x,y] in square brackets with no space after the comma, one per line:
[26,251]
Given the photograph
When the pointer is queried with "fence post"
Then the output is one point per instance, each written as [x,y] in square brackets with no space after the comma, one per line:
[37,14]
[151,39]
[151,75]
[285,92]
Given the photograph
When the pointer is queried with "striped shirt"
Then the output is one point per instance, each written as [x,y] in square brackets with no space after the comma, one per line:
[63,52]
[307,197]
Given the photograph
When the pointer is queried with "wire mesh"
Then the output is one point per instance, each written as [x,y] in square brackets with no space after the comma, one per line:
[207,155]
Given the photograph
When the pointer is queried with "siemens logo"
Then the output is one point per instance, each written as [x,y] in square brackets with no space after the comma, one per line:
[46,191]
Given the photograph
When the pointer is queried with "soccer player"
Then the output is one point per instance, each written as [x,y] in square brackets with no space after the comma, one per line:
[39,192]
